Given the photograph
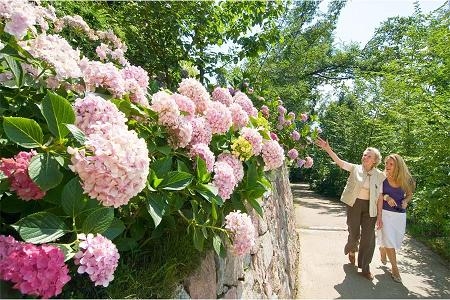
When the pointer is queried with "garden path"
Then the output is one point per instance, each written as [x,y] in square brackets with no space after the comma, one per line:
[324,271]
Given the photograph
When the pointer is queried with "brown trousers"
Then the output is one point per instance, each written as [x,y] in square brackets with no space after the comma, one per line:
[361,225]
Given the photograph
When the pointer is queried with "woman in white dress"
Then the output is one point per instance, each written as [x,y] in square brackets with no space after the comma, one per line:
[397,191]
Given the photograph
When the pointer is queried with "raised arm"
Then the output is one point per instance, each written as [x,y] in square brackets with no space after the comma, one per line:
[325,146]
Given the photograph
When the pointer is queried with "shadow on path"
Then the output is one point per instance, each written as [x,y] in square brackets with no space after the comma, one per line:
[324,270]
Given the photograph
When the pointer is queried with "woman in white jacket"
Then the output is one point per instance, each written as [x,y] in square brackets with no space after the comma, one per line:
[360,195]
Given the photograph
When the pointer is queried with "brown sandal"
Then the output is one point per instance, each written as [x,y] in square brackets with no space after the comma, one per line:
[351,258]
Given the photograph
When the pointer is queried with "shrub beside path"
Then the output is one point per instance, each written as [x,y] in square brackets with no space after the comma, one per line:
[324,270]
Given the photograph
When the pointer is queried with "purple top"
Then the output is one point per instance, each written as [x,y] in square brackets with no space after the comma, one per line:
[395,193]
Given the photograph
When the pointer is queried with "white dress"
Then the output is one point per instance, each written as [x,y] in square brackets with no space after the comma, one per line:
[394,219]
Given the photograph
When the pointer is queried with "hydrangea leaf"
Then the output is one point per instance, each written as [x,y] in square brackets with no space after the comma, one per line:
[57,112]
[41,227]
[44,171]
[24,132]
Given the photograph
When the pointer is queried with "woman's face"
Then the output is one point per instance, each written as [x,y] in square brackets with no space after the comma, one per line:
[368,159]
[390,166]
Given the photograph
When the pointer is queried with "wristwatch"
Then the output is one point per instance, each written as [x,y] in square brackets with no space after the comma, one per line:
[385,197]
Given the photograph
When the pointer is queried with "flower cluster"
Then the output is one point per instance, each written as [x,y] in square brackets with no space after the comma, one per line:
[114,165]
[244,101]
[222,95]
[235,163]
[57,52]
[201,133]
[92,109]
[254,138]
[97,257]
[242,148]
[16,169]
[34,270]
[118,167]
[202,150]
[242,231]
[224,179]
[293,132]
[193,89]
[167,109]
[273,155]
[218,117]
[23,16]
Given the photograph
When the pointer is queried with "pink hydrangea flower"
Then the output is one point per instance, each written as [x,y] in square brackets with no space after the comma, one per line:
[291,115]
[254,137]
[118,167]
[74,22]
[235,163]
[136,83]
[137,94]
[34,270]
[308,162]
[222,95]
[193,89]
[274,136]
[281,121]
[300,162]
[93,109]
[98,257]
[292,154]
[304,117]
[239,116]
[8,245]
[19,23]
[106,75]
[242,232]
[295,135]
[203,151]
[136,73]
[167,109]
[19,16]
[244,101]
[265,111]
[180,135]
[272,154]
[102,51]
[224,179]
[185,104]
[57,52]
[282,110]
[218,117]
[201,133]
[16,169]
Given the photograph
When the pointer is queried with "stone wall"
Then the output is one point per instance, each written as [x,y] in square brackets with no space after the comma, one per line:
[269,271]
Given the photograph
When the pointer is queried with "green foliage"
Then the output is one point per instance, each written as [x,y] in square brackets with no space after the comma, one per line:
[41,227]
[162,36]
[303,60]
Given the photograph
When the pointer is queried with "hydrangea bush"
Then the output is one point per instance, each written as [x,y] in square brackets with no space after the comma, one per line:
[294,132]
[93,164]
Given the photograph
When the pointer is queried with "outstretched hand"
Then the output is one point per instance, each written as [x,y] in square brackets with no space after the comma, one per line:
[322,143]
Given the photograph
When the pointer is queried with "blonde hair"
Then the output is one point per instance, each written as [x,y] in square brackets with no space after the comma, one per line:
[377,155]
[401,174]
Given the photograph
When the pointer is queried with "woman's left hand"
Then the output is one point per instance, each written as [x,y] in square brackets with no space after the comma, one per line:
[379,223]
[404,204]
